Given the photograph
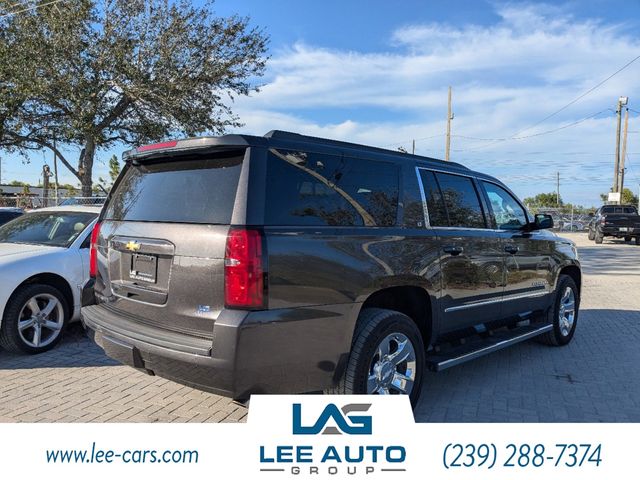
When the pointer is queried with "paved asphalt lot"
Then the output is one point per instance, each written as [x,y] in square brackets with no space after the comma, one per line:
[594,379]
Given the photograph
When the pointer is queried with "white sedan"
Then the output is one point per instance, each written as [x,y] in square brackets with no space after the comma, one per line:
[44,264]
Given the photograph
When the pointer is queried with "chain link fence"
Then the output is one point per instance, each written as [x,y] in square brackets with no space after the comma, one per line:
[565,219]
[28,202]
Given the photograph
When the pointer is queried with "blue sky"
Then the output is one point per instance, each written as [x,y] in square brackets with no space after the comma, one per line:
[377,72]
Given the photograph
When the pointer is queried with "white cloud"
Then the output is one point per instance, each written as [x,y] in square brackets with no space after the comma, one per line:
[505,76]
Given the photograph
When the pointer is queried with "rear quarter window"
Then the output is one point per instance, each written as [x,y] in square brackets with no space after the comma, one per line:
[182,190]
[318,189]
[461,201]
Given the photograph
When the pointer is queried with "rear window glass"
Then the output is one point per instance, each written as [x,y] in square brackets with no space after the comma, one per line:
[614,209]
[190,190]
[316,189]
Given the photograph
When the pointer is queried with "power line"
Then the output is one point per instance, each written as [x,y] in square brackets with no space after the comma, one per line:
[580,96]
[33,7]
[523,137]
[504,139]
[416,139]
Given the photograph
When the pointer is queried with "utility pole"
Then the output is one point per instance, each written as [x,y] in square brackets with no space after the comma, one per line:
[623,155]
[616,172]
[55,169]
[449,118]
[46,173]
[413,147]
[558,189]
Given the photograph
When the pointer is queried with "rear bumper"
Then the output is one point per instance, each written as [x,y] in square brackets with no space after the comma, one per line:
[273,351]
[616,232]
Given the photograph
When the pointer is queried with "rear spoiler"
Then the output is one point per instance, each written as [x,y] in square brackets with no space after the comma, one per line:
[187,145]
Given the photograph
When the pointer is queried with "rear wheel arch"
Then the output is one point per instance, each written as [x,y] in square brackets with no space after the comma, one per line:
[413,301]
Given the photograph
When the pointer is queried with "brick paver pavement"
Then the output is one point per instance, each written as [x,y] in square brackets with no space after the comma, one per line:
[595,378]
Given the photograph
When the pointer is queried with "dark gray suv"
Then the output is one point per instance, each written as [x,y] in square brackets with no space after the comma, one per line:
[285,263]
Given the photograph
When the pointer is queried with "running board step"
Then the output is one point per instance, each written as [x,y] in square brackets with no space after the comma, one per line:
[477,348]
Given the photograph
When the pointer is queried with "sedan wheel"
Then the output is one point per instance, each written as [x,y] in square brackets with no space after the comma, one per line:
[34,319]
[41,320]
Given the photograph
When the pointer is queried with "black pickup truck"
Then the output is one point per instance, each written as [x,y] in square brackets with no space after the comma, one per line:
[619,221]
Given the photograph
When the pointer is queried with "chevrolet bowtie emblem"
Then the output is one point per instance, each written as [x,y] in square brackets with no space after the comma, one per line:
[133,246]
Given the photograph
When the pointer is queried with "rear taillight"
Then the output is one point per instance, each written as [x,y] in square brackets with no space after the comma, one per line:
[243,269]
[93,251]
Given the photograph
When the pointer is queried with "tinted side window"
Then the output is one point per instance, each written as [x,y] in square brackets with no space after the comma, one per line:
[435,204]
[8,216]
[461,201]
[508,213]
[316,189]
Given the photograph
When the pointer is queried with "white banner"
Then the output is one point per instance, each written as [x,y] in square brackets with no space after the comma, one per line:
[320,437]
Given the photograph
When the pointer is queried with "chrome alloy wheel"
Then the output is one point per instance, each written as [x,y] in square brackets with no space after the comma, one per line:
[393,367]
[41,320]
[567,311]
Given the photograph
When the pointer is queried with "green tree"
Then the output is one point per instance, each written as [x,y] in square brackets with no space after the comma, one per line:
[131,71]
[627,197]
[18,183]
[544,200]
[114,170]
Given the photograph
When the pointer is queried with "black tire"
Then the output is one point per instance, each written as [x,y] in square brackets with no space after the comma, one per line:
[10,338]
[373,327]
[627,239]
[555,337]
[598,237]
[591,235]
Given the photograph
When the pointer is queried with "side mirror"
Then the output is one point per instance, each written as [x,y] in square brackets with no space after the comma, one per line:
[543,221]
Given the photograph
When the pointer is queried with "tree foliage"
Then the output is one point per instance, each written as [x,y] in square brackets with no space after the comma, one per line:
[544,200]
[627,197]
[92,73]
[114,171]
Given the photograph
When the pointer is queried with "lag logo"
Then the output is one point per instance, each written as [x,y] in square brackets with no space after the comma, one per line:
[349,424]
[352,448]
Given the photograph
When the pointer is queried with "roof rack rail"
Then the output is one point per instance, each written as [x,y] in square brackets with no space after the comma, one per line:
[297,137]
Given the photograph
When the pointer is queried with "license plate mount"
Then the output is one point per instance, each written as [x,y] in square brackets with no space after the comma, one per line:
[144,268]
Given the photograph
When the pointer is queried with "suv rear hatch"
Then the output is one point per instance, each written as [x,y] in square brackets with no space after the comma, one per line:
[162,240]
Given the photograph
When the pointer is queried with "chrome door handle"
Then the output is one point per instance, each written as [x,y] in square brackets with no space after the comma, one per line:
[453,249]
[510,248]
